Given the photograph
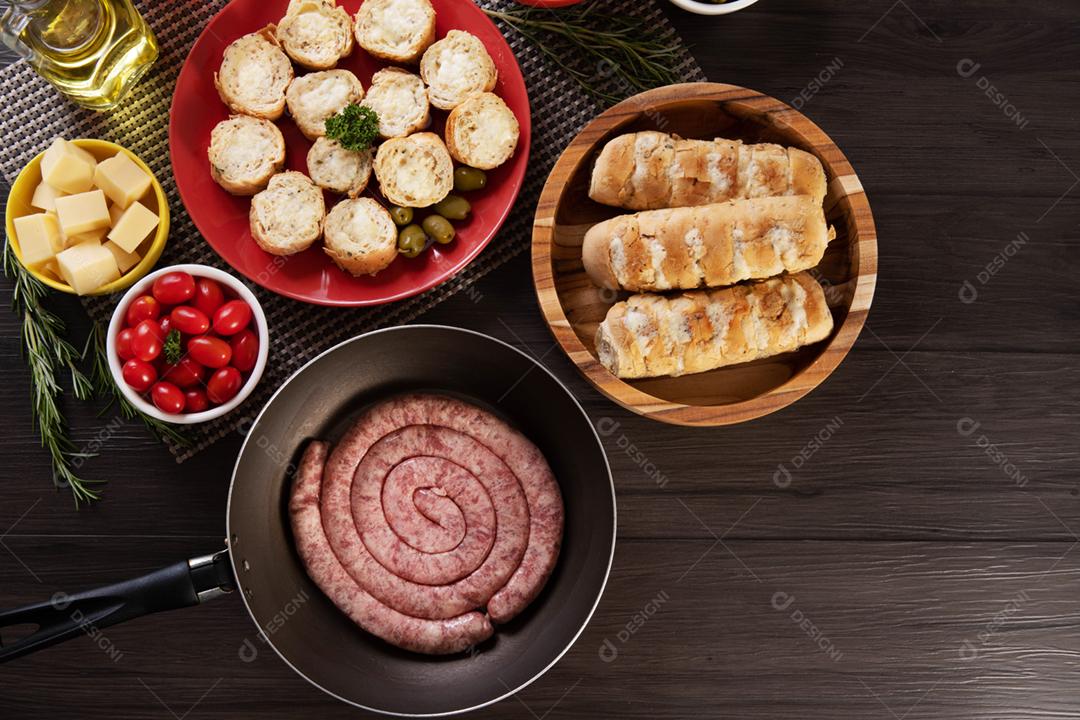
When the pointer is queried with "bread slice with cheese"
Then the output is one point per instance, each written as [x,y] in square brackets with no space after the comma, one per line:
[414,171]
[650,170]
[338,169]
[482,131]
[288,215]
[706,246]
[400,99]
[244,153]
[315,33]
[316,96]
[395,30]
[456,67]
[360,236]
[655,335]
[254,74]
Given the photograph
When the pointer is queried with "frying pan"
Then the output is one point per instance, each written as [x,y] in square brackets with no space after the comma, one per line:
[295,618]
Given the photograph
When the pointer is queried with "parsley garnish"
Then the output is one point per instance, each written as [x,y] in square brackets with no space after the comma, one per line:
[355,127]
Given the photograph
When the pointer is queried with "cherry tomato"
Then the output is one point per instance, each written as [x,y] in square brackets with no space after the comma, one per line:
[208,296]
[185,373]
[209,351]
[166,324]
[232,317]
[245,350]
[142,308]
[146,341]
[123,344]
[167,397]
[138,375]
[174,288]
[223,385]
[195,401]
[189,320]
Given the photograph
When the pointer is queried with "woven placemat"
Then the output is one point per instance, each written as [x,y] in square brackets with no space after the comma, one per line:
[32,114]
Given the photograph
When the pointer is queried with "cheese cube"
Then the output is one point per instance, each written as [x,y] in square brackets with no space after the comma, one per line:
[121,179]
[115,211]
[87,266]
[93,236]
[45,196]
[65,169]
[124,260]
[39,238]
[82,212]
[133,226]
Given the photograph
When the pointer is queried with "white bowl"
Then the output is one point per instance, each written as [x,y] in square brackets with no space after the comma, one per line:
[142,287]
[706,8]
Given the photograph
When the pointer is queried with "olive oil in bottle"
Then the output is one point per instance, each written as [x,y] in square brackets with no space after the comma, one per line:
[93,51]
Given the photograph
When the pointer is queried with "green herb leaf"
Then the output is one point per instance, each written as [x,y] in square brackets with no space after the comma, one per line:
[355,127]
[173,350]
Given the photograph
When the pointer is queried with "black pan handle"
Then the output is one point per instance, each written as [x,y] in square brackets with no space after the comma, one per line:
[65,616]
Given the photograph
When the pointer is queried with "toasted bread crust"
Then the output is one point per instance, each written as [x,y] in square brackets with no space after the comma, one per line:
[360,236]
[401,101]
[414,171]
[244,153]
[456,67]
[316,96]
[254,74]
[288,215]
[482,131]
[336,169]
[315,33]
[395,30]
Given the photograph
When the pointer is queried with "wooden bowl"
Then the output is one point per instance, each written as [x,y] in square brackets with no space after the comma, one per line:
[573,306]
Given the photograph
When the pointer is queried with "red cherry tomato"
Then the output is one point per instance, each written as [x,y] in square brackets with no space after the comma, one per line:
[138,375]
[185,373]
[166,324]
[146,341]
[174,288]
[142,308]
[195,401]
[208,296]
[232,317]
[223,385]
[123,344]
[167,397]
[189,320]
[245,350]
[209,351]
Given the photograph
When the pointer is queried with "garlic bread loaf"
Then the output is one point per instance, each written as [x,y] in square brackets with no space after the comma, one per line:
[395,30]
[339,169]
[708,245]
[657,335]
[482,132]
[287,216]
[315,33]
[254,74]
[244,153]
[400,99]
[414,171]
[456,67]
[316,96]
[649,170]
[360,236]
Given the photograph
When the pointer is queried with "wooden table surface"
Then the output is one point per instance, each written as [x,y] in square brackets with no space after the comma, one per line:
[899,544]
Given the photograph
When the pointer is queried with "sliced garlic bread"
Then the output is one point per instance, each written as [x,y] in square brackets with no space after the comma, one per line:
[455,68]
[254,74]
[316,96]
[482,132]
[315,33]
[414,171]
[288,215]
[244,153]
[400,100]
[395,30]
[360,236]
[337,169]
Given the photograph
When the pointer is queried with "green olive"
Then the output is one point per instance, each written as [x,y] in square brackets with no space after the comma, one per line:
[402,215]
[411,241]
[467,179]
[439,228]
[453,207]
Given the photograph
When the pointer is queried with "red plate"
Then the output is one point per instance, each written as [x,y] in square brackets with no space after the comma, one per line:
[311,276]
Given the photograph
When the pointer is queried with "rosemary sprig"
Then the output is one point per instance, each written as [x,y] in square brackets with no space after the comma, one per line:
[625,60]
[48,354]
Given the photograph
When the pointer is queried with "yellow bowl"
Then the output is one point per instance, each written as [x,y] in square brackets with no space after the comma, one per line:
[22,191]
